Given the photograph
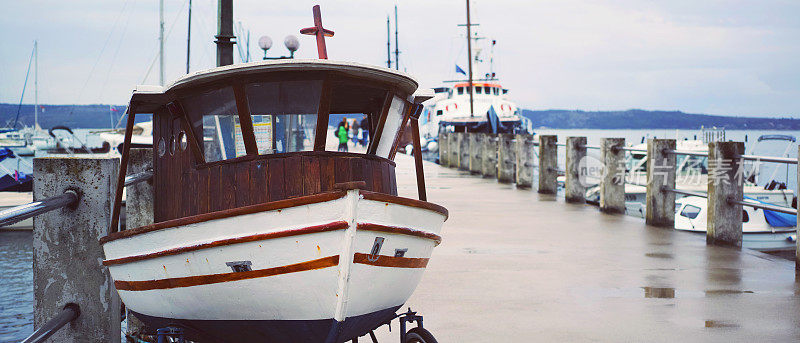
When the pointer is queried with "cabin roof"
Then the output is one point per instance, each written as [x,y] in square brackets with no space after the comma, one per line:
[156,95]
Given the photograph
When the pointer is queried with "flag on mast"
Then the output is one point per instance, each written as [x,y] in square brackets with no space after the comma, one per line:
[459,70]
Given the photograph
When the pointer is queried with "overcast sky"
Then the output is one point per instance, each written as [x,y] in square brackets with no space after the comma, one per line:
[736,57]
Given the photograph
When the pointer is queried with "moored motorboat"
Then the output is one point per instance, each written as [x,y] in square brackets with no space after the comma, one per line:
[260,234]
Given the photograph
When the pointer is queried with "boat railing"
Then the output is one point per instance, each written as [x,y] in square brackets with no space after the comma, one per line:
[69,313]
[70,197]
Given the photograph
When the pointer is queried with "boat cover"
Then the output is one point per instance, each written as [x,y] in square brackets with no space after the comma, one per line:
[777,219]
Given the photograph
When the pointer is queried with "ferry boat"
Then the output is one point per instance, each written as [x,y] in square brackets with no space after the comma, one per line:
[261,234]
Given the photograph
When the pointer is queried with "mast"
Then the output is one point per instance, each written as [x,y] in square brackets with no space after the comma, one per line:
[189,37]
[161,42]
[36,86]
[396,43]
[469,60]
[388,44]
[225,33]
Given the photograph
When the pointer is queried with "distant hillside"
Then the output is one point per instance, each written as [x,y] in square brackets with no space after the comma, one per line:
[641,119]
[101,116]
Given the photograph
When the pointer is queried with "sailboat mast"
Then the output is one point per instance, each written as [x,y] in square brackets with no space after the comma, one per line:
[388,44]
[396,42]
[36,86]
[189,37]
[469,62]
[161,41]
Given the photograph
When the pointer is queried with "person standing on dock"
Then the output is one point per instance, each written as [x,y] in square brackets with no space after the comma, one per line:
[341,133]
[364,139]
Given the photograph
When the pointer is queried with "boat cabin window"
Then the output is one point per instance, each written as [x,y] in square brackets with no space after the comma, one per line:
[477,90]
[745,216]
[496,91]
[460,90]
[214,115]
[439,112]
[486,90]
[690,211]
[284,114]
[678,207]
[394,119]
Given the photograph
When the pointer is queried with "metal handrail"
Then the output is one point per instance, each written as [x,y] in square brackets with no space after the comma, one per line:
[67,314]
[786,160]
[768,207]
[678,191]
[686,152]
[19,213]
[138,177]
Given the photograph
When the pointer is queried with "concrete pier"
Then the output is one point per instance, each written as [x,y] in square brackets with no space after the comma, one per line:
[574,188]
[463,151]
[444,148]
[475,153]
[489,169]
[612,186]
[517,266]
[138,211]
[548,165]
[525,160]
[455,145]
[67,258]
[505,158]
[725,182]
[660,204]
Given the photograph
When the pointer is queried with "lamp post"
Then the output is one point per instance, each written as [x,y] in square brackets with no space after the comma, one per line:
[291,42]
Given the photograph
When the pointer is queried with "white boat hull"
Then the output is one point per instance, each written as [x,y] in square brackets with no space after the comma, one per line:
[300,267]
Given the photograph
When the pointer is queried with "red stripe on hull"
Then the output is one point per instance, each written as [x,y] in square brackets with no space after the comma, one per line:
[400,230]
[391,261]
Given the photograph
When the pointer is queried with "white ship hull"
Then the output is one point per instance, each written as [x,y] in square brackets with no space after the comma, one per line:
[305,273]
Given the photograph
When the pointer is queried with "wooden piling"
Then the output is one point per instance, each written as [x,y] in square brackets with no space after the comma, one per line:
[443,148]
[505,158]
[525,160]
[489,160]
[548,164]
[475,152]
[797,233]
[660,204]
[574,183]
[138,213]
[463,151]
[725,184]
[67,259]
[612,185]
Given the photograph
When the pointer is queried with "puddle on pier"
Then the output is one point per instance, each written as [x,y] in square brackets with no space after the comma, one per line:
[720,324]
[716,292]
[659,292]
[658,255]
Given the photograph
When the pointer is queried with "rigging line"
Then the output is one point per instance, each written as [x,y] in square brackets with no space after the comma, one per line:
[89,77]
[155,58]
[24,86]
[116,52]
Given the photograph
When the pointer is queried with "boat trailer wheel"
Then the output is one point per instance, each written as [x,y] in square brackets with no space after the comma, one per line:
[417,334]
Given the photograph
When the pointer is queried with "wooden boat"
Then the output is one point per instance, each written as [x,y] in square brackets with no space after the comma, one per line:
[260,233]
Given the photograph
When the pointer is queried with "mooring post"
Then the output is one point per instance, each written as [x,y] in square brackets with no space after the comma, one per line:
[443,148]
[67,258]
[489,160]
[612,184]
[475,153]
[463,151]
[725,185]
[138,213]
[455,145]
[797,233]
[574,183]
[524,154]
[505,158]
[660,203]
[548,164]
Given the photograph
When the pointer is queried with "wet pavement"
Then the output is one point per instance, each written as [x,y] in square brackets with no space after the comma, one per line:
[516,266]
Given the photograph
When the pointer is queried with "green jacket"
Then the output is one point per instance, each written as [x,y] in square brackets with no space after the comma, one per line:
[342,134]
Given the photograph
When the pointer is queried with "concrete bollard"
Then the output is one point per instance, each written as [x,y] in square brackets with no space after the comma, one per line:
[455,144]
[505,158]
[444,148]
[612,185]
[475,152]
[463,151]
[725,184]
[67,259]
[525,164]
[548,167]
[138,213]
[574,188]
[489,160]
[660,204]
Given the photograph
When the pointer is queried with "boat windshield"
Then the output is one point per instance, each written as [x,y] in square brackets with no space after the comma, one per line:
[214,113]
[284,114]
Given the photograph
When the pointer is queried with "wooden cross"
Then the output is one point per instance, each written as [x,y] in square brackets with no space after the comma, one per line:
[319,32]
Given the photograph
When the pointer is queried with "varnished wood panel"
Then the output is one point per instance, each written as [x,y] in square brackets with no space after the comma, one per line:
[292,179]
[275,180]
[326,173]
[227,186]
[311,175]
[258,182]
[242,184]
[215,200]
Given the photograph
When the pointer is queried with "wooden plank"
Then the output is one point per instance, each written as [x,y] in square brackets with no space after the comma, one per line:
[387,103]
[190,198]
[243,191]
[203,194]
[326,173]
[408,110]
[158,174]
[293,176]
[392,180]
[311,175]
[323,114]
[386,180]
[215,200]
[275,178]
[367,166]
[357,167]
[417,162]
[123,169]
[342,172]
[227,186]
[377,176]
[258,182]
[245,121]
